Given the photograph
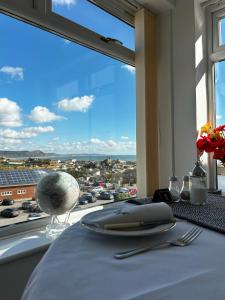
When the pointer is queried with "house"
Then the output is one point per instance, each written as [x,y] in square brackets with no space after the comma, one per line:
[20,184]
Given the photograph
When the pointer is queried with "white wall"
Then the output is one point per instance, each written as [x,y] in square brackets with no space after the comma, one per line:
[164,98]
[177,69]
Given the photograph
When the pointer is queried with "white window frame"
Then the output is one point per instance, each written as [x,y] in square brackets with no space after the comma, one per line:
[39,14]
[216,53]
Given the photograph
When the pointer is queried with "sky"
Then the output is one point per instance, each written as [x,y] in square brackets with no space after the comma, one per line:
[220,81]
[57,96]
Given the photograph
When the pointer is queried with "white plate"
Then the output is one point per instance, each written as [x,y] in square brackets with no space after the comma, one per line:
[88,222]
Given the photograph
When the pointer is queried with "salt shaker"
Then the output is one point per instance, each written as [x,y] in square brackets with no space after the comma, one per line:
[198,185]
[174,188]
[185,190]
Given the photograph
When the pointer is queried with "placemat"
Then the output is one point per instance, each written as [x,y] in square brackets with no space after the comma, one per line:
[211,215]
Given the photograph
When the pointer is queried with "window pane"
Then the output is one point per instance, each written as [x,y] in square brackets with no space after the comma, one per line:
[221,32]
[96,19]
[220,113]
[63,107]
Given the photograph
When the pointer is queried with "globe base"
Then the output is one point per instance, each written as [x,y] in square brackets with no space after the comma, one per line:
[56,227]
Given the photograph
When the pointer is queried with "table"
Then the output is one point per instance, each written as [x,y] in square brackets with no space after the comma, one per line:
[80,265]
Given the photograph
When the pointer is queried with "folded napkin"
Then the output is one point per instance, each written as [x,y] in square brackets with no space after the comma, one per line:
[154,213]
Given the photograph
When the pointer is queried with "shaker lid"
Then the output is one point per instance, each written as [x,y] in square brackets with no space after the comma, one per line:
[186,178]
[198,171]
[173,178]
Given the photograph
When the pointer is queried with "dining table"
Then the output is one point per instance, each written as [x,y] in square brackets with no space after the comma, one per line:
[80,264]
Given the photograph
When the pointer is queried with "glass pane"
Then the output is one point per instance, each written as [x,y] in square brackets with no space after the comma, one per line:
[222,32]
[220,113]
[63,107]
[96,19]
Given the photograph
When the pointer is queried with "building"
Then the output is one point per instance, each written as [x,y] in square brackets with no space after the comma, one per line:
[19,184]
[129,176]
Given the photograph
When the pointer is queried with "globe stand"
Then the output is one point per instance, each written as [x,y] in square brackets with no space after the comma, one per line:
[56,227]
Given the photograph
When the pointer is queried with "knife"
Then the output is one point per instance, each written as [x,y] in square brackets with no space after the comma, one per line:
[131,225]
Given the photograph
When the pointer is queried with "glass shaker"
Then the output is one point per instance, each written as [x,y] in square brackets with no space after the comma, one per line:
[198,185]
[185,190]
[174,188]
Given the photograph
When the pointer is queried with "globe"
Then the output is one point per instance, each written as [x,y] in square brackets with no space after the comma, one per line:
[57,193]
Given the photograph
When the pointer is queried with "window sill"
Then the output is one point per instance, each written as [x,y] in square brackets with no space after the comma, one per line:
[27,243]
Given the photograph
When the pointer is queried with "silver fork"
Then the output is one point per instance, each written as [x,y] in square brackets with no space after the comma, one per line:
[182,241]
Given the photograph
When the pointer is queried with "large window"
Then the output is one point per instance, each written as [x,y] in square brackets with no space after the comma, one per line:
[63,107]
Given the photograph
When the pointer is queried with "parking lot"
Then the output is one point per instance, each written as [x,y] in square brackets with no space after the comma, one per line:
[24,215]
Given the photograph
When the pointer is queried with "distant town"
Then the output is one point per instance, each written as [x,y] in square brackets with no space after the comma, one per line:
[100,181]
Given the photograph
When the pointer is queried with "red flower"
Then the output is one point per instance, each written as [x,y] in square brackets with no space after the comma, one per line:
[212,140]
[219,154]
[220,128]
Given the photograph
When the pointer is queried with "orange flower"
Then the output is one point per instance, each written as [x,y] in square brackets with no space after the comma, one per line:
[207,128]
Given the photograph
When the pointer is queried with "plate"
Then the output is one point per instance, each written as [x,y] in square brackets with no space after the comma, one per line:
[87,221]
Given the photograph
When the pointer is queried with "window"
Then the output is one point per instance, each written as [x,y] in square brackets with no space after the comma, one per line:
[64,107]
[8,193]
[21,192]
[217,64]
[221,31]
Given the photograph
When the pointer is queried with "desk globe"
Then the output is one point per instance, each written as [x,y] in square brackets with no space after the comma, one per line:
[57,194]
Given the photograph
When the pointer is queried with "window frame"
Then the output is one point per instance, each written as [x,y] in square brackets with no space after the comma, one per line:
[215,53]
[39,14]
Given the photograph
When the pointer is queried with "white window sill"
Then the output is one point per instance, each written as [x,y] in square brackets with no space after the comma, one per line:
[28,243]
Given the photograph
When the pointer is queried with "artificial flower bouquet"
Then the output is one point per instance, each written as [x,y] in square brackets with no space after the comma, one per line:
[212,140]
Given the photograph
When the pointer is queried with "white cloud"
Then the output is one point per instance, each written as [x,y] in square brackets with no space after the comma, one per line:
[9,113]
[95,141]
[13,72]
[219,117]
[124,137]
[76,103]
[129,68]
[25,133]
[94,145]
[64,2]
[5,142]
[41,114]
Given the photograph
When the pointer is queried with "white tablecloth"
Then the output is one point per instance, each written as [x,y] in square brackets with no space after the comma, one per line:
[80,265]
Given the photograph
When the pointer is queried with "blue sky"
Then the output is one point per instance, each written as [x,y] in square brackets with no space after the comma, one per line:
[57,96]
[220,81]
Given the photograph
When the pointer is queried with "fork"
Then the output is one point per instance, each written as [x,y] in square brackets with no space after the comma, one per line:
[187,238]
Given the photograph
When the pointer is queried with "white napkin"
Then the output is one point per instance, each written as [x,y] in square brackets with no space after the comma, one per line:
[148,213]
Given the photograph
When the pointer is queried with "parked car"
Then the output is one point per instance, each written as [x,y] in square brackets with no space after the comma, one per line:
[10,213]
[34,208]
[7,202]
[83,201]
[87,198]
[26,205]
[96,189]
[132,191]
[33,216]
[95,194]
[106,196]
[122,190]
